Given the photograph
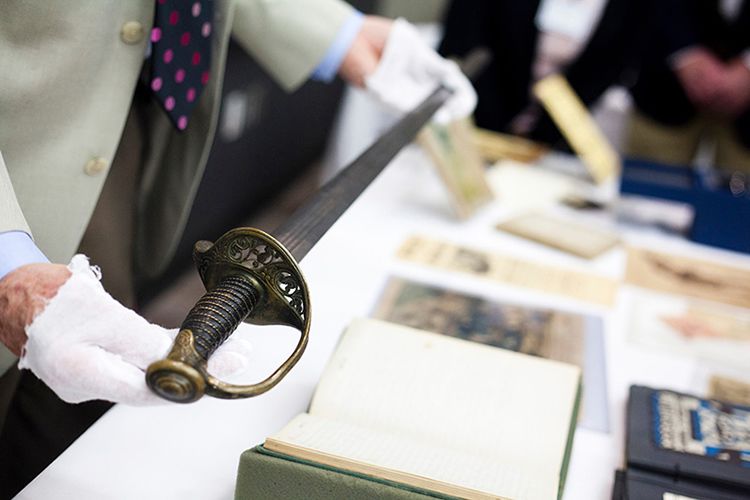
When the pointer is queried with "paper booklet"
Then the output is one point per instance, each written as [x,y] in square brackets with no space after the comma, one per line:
[440,414]
[459,164]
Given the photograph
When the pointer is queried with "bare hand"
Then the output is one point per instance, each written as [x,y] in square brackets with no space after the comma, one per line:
[364,54]
[700,74]
[733,93]
[24,293]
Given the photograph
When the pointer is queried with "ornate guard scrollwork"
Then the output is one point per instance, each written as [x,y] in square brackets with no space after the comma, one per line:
[249,276]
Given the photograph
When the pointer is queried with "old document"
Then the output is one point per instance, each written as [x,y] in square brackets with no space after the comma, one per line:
[687,276]
[510,270]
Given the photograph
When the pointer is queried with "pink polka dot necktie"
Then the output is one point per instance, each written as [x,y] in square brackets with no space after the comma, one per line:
[180,55]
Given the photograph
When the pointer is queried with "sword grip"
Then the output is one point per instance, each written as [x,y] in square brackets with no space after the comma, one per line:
[182,376]
[219,312]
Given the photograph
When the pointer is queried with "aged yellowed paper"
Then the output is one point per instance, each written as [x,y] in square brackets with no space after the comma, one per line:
[510,270]
[687,276]
[578,126]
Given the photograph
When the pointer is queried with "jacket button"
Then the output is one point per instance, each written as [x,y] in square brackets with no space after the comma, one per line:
[132,32]
[95,166]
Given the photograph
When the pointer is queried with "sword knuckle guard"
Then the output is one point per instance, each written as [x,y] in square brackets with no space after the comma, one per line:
[251,277]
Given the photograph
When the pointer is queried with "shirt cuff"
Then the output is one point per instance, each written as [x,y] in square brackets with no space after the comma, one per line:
[18,249]
[329,65]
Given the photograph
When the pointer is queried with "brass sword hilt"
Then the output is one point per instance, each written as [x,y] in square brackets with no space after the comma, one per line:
[249,276]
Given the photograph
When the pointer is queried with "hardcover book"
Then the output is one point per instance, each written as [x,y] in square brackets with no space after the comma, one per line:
[433,415]
[688,438]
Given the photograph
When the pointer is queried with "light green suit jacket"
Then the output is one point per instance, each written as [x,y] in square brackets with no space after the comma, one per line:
[68,70]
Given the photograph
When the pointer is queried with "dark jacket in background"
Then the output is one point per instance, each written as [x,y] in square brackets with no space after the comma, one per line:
[508,29]
[676,25]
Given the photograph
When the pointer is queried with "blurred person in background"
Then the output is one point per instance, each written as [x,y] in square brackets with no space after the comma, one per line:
[593,43]
[128,92]
[694,84]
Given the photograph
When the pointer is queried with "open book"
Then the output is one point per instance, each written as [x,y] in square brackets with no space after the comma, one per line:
[439,414]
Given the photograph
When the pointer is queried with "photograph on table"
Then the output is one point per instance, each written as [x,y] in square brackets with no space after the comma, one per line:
[571,338]
[689,327]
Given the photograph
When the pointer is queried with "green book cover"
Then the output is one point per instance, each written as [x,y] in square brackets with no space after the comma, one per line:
[384,422]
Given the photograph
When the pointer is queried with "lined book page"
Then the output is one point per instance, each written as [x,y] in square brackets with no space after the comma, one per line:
[413,462]
[459,396]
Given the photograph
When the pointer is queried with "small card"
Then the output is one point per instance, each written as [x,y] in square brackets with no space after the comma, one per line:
[578,126]
[458,161]
[567,236]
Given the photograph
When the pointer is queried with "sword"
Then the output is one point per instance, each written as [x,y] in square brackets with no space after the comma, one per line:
[253,277]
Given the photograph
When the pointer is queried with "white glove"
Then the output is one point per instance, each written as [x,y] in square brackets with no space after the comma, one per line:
[86,345]
[409,70]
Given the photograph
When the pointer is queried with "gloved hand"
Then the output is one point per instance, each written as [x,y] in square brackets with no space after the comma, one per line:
[409,70]
[85,345]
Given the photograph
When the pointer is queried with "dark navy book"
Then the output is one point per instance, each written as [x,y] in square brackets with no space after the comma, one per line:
[689,439]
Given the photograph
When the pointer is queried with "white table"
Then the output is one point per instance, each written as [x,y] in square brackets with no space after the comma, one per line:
[158,453]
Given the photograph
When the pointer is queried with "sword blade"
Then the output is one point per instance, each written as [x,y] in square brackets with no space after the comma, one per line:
[316,216]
